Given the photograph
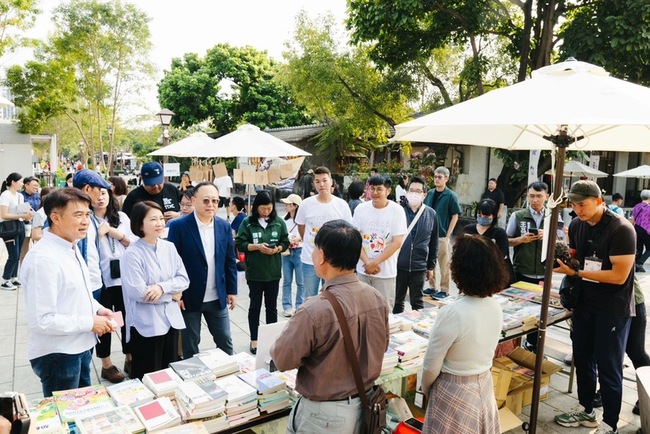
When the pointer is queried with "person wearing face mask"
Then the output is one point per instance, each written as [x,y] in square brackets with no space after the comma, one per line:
[417,258]
[487,225]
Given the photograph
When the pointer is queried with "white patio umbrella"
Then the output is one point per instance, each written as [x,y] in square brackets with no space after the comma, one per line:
[184,147]
[570,105]
[575,168]
[642,172]
[4,102]
[248,141]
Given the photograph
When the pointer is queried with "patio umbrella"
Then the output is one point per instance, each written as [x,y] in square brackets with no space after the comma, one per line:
[642,172]
[248,141]
[185,146]
[570,105]
[575,168]
[4,102]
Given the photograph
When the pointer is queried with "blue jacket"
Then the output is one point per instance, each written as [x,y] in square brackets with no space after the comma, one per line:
[184,233]
[419,250]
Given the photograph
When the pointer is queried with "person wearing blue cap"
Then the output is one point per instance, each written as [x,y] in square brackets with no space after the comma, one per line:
[155,189]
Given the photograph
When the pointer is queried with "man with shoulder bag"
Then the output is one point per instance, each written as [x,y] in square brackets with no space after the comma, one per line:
[337,368]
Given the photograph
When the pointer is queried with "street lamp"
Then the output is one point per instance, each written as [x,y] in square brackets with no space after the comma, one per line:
[165,116]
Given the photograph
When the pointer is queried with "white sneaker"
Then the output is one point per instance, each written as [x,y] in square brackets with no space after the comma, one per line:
[604,429]
[288,313]
[8,286]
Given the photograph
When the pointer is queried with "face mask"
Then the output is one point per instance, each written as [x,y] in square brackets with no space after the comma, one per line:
[484,221]
[414,199]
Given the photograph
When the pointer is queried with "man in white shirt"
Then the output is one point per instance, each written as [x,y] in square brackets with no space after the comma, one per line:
[382,224]
[314,212]
[63,318]
[224,185]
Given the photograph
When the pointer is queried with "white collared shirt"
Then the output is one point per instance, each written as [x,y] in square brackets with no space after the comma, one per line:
[206,232]
[58,298]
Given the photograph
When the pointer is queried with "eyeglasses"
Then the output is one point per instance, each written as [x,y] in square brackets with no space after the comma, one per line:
[416,191]
[207,202]
[439,176]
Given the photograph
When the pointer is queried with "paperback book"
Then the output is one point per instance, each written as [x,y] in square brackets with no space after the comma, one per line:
[130,392]
[44,417]
[192,369]
[263,381]
[158,414]
[115,421]
[163,382]
[85,401]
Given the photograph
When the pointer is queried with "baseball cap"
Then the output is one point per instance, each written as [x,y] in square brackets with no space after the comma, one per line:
[581,190]
[152,173]
[86,177]
[292,198]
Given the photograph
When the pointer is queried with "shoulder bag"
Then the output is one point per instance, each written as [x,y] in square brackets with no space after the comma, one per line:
[374,407]
[9,229]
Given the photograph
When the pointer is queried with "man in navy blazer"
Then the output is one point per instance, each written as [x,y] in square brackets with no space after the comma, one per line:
[205,244]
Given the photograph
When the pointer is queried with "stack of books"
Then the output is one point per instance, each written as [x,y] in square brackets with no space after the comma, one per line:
[163,382]
[246,361]
[222,364]
[391,360]
[198,400]
[131,393]
[187,428]
[158,414]
[214,423]
[85,401]
[120,420]
[44,417]
[289,378]
[271,389]
[394,323]
[410,348]
[192,369]
[241,405]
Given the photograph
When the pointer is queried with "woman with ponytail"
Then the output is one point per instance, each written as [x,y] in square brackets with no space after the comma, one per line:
[11,209]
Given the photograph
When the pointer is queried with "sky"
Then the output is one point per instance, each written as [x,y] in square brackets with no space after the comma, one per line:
[193,26]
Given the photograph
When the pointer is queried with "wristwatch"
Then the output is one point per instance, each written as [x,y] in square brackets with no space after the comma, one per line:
[577,274]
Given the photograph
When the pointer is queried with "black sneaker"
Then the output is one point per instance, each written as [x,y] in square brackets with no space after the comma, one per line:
[8,286]
[636,410]
[598,400]
[639,268]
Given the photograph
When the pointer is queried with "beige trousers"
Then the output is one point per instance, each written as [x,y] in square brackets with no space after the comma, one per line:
[444,259]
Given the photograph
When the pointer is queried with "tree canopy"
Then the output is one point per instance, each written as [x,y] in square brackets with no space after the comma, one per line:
[16,16]
[230,85]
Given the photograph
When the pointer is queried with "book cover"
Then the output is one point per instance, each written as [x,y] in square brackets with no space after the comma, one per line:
[201,394]
[237,390]
[163,382]
[118,420]
[156,414]
[85,401]
[44,417]
[130,392]
[191,369]
[263,380]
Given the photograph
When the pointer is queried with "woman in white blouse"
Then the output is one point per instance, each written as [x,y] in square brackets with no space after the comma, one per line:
[153,279]
[456,371]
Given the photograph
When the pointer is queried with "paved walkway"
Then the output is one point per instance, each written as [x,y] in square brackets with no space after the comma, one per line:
[16,373]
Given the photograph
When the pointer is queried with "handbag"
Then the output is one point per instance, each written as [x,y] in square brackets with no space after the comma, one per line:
[374,406]
[9,229]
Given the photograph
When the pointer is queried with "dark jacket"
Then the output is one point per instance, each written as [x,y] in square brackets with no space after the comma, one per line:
[184,233]
[419,250]
[261,267]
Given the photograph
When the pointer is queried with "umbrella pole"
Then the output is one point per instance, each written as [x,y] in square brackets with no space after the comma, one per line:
[561,142]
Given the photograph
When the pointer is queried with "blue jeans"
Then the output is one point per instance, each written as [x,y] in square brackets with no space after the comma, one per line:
[13,250]
[218,324]
[311,280]
[291,264]
[599,342]
[59,371]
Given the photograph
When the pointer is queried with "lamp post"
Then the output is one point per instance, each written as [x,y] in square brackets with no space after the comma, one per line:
[109,129]
[165,116]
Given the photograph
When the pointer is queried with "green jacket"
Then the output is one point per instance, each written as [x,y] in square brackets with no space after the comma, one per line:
[261,267]
[527,258]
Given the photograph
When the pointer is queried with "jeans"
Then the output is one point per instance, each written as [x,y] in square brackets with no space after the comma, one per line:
[218,323]
[318,417]
[311,280]
[59,371]
[13,250]
[413,282]
[291,264]
[642,242]
[599,341]
[635,348]
[268,290]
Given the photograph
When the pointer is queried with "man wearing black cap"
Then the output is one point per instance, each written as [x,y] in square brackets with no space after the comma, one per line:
[154,188]
[605,245]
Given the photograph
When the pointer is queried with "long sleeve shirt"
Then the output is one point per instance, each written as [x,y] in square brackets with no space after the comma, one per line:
[58,298]
[145,264]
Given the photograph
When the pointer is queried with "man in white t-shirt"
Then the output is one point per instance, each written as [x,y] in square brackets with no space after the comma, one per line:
[224,185]
[382,224]
[314,212]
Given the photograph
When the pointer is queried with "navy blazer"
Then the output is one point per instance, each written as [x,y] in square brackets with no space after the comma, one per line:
[184,233]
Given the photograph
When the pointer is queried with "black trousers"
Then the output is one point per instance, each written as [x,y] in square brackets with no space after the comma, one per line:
[268,290]
[152,354]
[635,348]
[111,298]
[413,282]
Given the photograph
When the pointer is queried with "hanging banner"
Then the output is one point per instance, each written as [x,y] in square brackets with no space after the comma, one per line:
[533,161]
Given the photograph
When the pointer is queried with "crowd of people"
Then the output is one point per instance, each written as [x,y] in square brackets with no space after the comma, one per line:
[155,261]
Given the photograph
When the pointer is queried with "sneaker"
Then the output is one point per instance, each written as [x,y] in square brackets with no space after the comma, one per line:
[636,410]
[639,268]
[429,291]
[568,359]
[440,295]
[8,286]
[576,418]
[288,313]
[16,283]
[604,429]
[112,374]
[598,400]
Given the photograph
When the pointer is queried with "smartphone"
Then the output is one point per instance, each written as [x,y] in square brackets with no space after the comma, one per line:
[533,231]
[271,245]
[414,423]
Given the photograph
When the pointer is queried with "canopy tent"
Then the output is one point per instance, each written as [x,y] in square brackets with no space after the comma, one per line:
[575,168]
[570,105]
[184,147]
[248,141]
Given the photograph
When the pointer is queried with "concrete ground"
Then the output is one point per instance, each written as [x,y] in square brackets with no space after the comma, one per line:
[16,373]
